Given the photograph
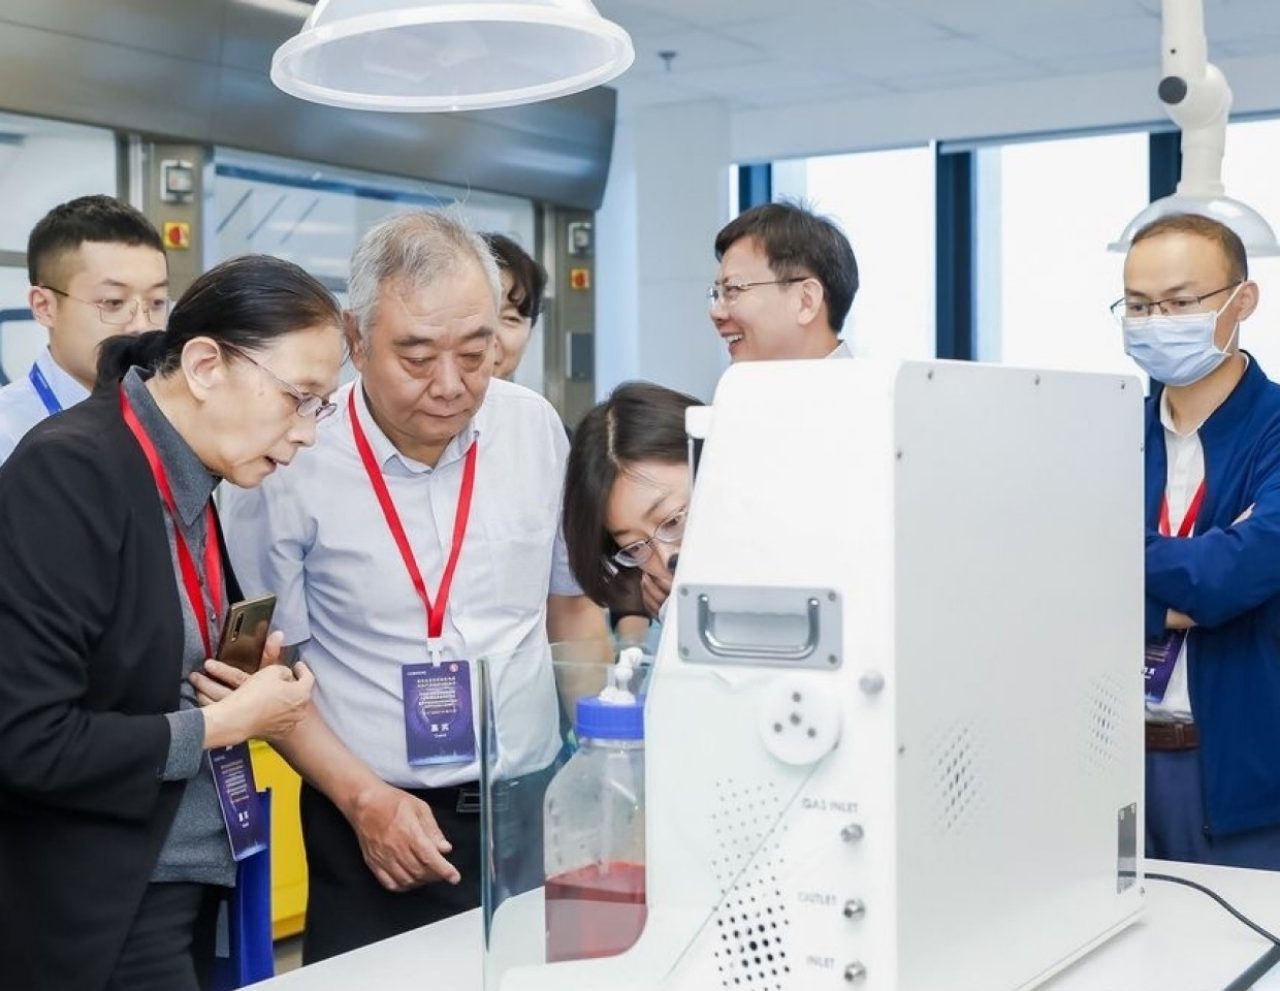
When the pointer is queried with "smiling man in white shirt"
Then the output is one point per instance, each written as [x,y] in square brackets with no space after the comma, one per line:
[786,282]
[421,534]
[97,268]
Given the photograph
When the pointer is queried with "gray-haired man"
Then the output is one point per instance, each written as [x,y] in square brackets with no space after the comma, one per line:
[421,534]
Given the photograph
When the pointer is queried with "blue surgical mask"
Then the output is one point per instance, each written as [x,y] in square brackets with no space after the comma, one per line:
[1177,350]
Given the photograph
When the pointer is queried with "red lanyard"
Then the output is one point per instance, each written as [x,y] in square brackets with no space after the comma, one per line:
[1189,520]
[435,611]
[191,580]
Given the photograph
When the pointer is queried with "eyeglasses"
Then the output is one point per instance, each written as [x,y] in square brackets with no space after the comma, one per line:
[730,291]
[1171,307]
[308,404]
[120,312]
[669,531]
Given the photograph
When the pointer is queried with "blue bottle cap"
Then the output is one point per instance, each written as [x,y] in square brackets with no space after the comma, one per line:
[599,720]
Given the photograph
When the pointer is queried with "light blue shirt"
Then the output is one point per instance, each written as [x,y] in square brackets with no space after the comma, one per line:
[21,407]
[313,535]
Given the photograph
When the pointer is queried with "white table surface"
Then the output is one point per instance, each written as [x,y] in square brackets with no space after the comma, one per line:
[1185,942]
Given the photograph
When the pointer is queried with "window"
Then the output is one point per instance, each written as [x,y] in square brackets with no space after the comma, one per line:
[1045,213]
[315,215]
[884,200]
[42,163]
[1248,173]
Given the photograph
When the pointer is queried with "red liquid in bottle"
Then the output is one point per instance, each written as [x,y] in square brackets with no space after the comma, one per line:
[595,911]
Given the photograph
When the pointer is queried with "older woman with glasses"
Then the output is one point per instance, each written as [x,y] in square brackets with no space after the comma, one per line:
[114,825]
[627,491]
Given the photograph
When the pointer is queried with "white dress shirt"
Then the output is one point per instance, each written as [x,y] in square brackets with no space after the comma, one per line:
[1185,458]
[21,407]
[314,535]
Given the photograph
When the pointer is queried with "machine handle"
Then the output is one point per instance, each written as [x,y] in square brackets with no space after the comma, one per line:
[720,648]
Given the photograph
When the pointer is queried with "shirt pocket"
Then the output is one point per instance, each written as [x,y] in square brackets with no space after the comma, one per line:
[511,568]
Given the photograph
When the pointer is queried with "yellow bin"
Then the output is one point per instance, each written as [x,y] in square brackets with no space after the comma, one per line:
[288,861]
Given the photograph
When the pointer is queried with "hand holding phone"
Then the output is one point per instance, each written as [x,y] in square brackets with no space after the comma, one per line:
[244,633]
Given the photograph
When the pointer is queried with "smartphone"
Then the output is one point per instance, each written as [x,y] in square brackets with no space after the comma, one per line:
[244,633]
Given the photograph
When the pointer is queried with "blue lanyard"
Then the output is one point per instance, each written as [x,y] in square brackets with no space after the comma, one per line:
[44,390]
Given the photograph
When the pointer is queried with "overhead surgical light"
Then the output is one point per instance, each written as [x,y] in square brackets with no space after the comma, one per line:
[437,55]
[1196,96]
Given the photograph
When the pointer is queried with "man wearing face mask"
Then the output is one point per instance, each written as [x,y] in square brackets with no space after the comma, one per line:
[1212,659]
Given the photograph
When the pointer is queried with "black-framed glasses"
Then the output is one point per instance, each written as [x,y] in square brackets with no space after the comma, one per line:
[730,291]
[669,531]
[120,312]
[309,404]
[1171,307]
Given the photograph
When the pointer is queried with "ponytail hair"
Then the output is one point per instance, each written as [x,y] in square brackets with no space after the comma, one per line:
[246,302]
[118,354]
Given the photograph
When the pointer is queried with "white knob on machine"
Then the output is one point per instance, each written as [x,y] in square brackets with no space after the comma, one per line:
[799,720]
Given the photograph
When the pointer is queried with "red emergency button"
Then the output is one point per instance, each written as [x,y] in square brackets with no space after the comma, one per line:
[177,235]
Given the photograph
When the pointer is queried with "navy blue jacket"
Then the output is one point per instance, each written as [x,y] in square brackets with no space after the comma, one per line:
[1227,579]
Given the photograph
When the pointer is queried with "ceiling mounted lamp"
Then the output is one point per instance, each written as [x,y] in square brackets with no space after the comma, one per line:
[1196,95]
[417,56]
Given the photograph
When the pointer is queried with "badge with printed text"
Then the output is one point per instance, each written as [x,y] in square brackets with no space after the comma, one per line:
[239,800]
[1159,660]
[438,724]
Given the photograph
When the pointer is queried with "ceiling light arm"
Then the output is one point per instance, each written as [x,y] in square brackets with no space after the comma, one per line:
[1195,95]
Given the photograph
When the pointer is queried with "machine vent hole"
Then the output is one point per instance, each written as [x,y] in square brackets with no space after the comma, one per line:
[958,784]
[1102,721]
[752,913]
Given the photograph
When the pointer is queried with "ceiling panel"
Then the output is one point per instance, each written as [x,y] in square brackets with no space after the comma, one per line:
[695,48]
[754,53]
[717,14]
[936,58]
[1049,39]
[641,21]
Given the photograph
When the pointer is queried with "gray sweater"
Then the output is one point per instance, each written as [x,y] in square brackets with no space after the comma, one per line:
[197,848]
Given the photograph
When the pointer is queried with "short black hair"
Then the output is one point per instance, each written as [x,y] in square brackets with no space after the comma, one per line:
[246,303]
[639,422]
[528,278]
[798,241]
[100,219]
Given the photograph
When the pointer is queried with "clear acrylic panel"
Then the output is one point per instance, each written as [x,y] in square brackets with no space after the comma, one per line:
[526,734]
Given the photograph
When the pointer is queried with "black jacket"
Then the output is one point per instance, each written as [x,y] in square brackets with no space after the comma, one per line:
[91,643]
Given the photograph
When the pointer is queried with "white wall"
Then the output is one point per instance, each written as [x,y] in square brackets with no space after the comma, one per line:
[667,198]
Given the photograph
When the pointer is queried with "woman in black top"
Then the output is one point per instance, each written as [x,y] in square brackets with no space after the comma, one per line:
[112,585]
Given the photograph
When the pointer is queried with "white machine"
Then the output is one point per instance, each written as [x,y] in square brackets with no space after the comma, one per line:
[894,730]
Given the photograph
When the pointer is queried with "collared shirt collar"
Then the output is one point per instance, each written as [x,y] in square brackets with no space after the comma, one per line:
[67,390]
[190,480]
[390,457]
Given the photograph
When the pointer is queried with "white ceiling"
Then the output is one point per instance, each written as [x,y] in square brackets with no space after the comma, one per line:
[774,53]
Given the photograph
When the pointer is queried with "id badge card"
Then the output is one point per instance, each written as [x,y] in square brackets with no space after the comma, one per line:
[438,724]
[1159,660]
[239,800]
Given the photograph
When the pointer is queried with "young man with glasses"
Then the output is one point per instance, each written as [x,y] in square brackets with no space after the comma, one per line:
[787,280]
[97,268]
[1212,449]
